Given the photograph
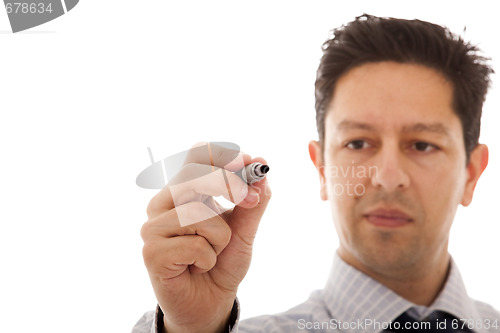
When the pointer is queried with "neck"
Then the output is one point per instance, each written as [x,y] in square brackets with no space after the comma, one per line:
[420,285]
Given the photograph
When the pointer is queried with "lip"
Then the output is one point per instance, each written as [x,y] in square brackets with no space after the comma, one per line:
[388,217]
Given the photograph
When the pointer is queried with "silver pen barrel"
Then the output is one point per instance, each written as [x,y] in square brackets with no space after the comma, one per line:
[253,172]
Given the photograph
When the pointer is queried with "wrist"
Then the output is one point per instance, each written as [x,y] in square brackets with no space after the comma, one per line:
[222,324]
[221,327]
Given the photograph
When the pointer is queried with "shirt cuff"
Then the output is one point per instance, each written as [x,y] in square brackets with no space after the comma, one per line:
[235,317]
[232,325]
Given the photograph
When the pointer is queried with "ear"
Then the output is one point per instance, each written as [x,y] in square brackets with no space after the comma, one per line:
[317,158]
[477,163]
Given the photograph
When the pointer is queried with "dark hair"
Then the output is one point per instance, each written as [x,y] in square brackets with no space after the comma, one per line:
[373,39]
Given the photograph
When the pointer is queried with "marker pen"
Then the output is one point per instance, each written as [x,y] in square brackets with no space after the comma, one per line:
[253,172]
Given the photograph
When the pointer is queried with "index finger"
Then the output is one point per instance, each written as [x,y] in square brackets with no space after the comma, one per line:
[196,181]
[224,155]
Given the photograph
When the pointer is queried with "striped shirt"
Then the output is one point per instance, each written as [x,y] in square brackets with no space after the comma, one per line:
[353,302]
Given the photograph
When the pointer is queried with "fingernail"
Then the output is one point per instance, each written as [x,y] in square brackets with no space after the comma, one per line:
[251,197]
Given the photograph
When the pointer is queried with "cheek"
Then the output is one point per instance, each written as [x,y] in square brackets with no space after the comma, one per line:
[439,192]
[346,182]
[346,185]
[342,206]
[440,183]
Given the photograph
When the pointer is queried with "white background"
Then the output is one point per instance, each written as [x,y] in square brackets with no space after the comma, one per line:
[82,97]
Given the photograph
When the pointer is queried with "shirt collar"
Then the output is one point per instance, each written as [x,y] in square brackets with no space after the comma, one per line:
[353,297]
[454,298]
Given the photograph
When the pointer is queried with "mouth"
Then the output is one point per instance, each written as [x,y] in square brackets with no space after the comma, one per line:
[389,218]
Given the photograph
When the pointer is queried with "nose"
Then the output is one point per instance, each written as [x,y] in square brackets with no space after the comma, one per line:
[390,170]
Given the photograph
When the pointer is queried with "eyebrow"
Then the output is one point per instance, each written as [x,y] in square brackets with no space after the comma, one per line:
[345,125]
[437,128]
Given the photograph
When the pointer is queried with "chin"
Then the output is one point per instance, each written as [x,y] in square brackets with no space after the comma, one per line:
[388,256]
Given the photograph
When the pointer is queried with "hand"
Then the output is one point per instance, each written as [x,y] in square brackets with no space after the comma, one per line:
[196,254]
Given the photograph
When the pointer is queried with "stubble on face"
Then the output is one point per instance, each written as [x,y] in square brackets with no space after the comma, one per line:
[388,98]
[384,251]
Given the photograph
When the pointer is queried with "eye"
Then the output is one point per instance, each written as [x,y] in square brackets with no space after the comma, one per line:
[424,147]
[357,144]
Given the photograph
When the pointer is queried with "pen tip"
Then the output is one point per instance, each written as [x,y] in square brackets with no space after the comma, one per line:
[264,168]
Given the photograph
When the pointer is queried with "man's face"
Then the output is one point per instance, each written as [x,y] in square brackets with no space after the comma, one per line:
[394,165]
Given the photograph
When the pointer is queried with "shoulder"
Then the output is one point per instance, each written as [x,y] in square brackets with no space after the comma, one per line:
[486,310]
[146,323]
[488,318]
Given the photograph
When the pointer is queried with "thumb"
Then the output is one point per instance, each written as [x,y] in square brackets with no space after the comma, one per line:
[244,222]
[234,260]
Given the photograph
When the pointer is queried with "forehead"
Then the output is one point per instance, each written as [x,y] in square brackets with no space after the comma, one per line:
[389,93]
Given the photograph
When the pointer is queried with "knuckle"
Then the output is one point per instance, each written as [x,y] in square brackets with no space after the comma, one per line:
[221,231]
[145,230]
[153,204]
[159,202]
[198,244]
[212,260]
[225,234]
[149,209]
[148,252]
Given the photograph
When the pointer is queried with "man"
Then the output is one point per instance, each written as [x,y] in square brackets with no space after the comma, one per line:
[398,107]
